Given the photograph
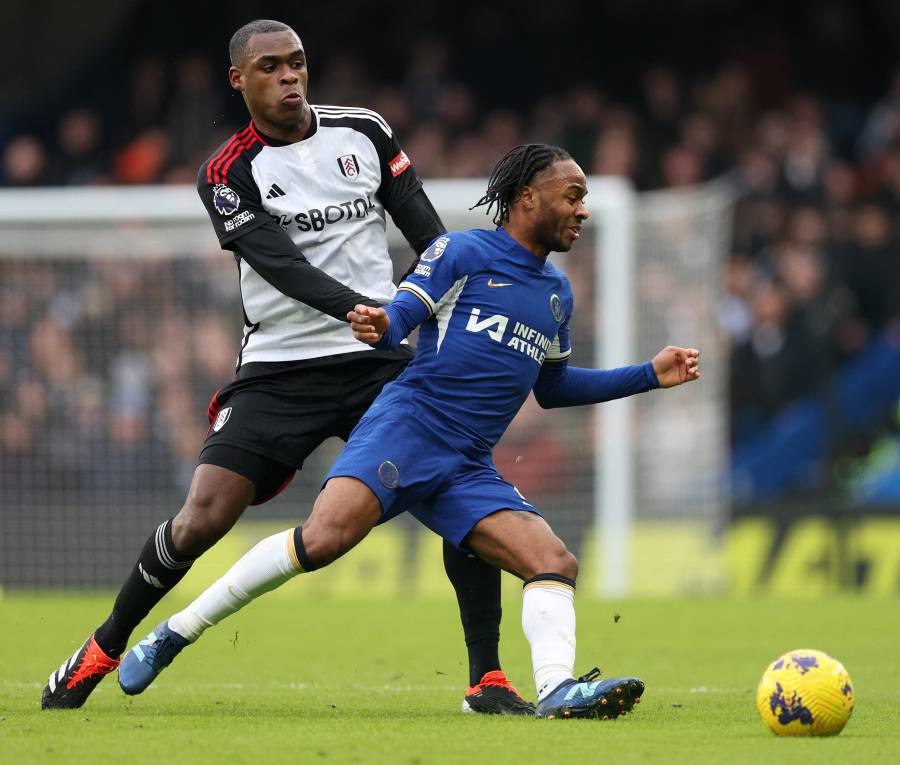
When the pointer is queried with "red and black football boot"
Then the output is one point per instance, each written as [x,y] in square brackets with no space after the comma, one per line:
[495,696]
[70,685]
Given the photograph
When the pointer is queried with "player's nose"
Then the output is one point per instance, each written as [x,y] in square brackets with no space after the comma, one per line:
[289,76]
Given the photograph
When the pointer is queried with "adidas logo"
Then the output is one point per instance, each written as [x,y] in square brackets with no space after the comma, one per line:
[274,191]
[150,579]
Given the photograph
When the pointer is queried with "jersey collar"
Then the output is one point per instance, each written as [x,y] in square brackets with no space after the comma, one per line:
[313,127]
[519,253]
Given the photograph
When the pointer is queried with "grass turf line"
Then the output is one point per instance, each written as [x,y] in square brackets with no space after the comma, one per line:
[370,681]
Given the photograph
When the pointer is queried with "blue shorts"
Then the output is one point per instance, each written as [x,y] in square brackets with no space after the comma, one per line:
[410,469]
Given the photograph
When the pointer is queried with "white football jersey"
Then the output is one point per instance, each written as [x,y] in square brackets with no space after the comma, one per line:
[328,193]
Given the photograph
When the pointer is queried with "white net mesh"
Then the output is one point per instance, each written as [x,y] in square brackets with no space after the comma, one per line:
[681,438]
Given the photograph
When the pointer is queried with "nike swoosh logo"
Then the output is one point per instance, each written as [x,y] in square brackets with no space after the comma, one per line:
[492,283]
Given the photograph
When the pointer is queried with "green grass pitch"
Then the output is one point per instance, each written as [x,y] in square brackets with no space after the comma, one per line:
[304,679]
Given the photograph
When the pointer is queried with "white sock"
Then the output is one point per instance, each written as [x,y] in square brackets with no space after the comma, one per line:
[548,620]
[271,563]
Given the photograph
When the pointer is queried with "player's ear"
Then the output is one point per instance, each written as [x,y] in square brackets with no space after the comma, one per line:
[526,197]
[235,78]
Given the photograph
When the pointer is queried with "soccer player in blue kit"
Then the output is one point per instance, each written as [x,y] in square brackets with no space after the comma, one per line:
[494,316]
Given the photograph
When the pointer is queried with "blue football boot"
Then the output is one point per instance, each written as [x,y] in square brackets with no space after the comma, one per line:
[147,659]
[589,697]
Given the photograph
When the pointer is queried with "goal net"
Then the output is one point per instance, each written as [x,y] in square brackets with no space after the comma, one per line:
[120,317]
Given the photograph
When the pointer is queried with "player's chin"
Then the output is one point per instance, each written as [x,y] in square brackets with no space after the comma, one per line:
[288,115]
[564,242]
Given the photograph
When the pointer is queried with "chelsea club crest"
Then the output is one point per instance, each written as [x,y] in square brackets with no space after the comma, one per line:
[556,308]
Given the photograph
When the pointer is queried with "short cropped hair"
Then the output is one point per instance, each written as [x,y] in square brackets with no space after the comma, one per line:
[237,48]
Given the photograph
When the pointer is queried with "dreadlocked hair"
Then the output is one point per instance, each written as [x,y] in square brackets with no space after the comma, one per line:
[513,172]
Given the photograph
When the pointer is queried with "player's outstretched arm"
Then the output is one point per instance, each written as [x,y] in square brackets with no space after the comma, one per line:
[675,366]
[560,385]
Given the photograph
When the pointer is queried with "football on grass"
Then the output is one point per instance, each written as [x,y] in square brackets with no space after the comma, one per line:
[805,693]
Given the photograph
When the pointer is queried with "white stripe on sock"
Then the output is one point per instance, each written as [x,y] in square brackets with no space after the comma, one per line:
[163,554]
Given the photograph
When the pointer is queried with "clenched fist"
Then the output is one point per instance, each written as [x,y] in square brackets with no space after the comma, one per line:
[368,324]
[674,365]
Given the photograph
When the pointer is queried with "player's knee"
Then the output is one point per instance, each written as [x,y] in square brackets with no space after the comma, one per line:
[327,537]
[344,513]
[568,565]
[203,520]
[556,560]
[324,545]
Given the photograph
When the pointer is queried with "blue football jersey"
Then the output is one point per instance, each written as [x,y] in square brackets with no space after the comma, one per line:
[491,314]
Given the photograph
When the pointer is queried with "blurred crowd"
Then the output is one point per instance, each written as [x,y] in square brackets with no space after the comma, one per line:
[105,368]
[813,276]
[815,271]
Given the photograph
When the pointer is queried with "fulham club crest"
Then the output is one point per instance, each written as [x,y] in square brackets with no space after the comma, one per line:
[349,165]
[221,419]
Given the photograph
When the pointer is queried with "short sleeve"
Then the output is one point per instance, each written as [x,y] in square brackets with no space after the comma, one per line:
[234,204]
